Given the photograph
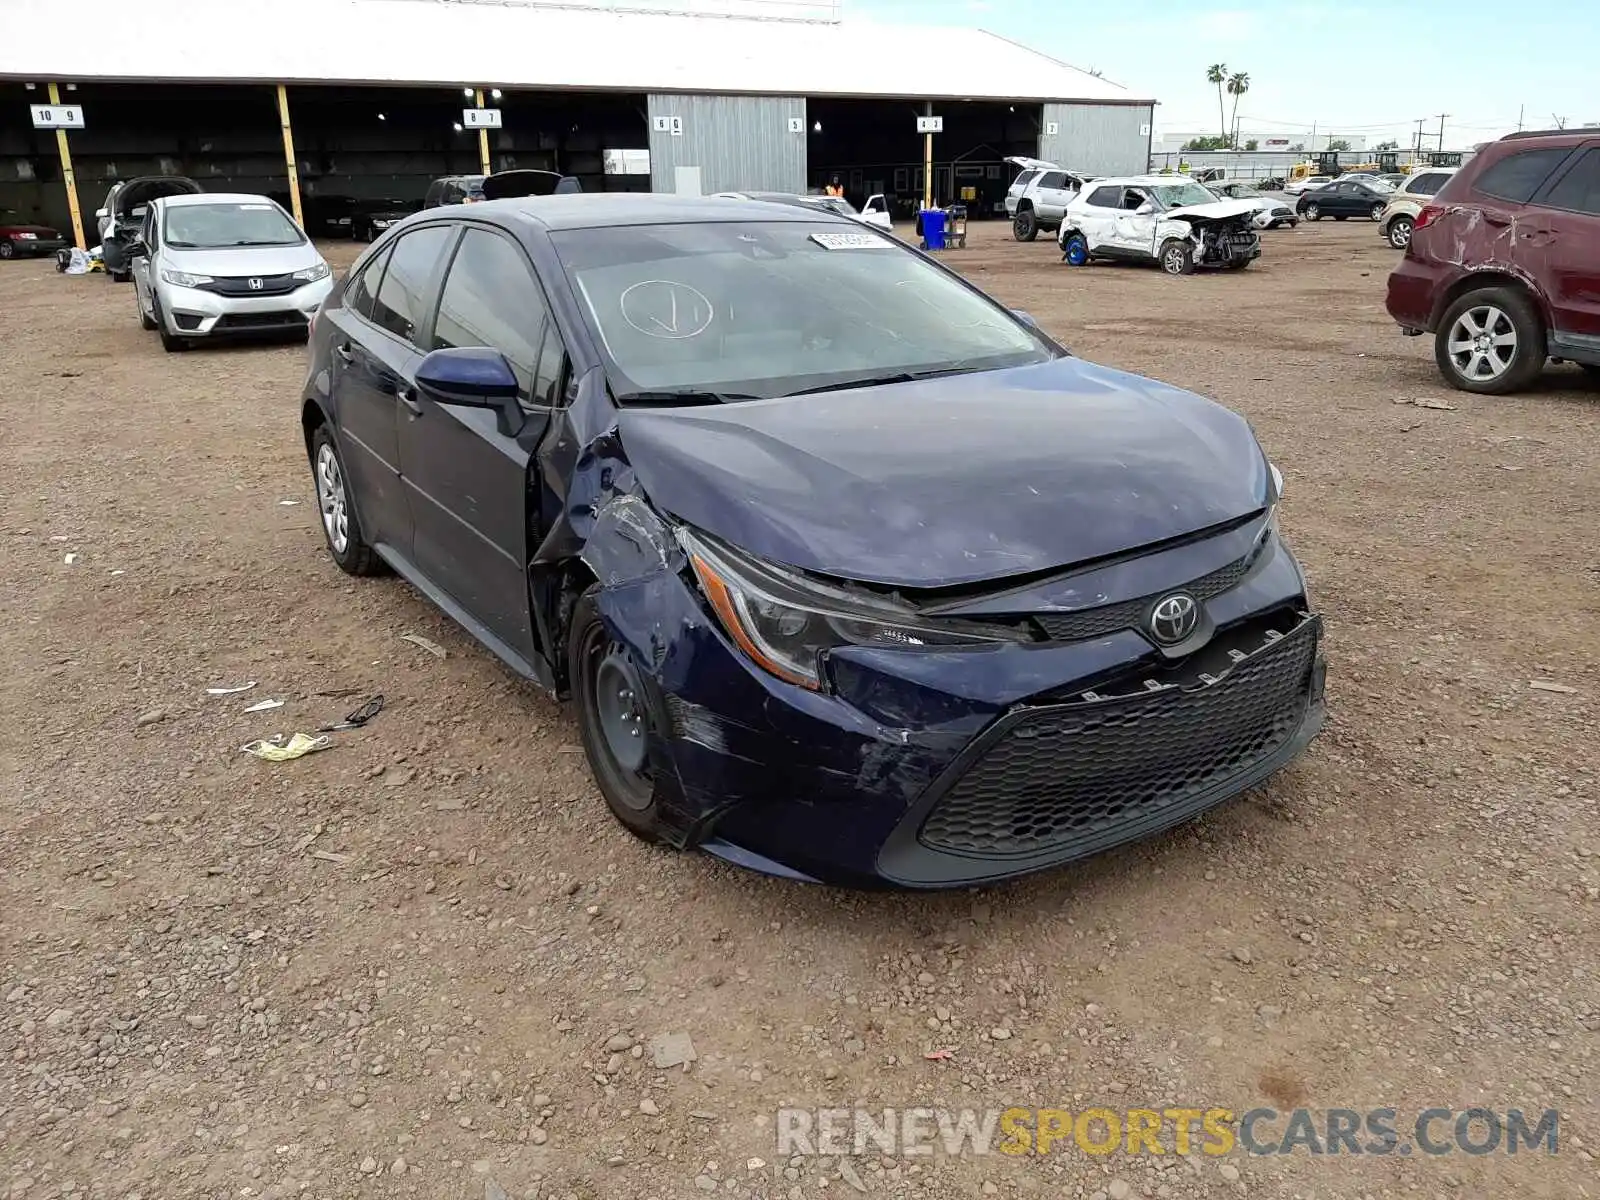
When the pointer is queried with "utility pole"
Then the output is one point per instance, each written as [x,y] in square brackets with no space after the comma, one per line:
[1520,109]
[1442,116]
[1416,152]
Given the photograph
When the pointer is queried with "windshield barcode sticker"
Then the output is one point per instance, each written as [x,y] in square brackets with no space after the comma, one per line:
[849,241]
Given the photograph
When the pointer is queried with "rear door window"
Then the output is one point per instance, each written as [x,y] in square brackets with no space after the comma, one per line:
[1025,178]
[359,295]
[1579,189]
[1106,197]
[1053,179]
[401,304]
[1518,176]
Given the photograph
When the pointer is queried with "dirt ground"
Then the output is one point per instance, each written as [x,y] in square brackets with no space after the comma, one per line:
[424,963]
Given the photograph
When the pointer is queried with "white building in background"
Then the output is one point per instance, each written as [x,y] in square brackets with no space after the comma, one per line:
[1170,141]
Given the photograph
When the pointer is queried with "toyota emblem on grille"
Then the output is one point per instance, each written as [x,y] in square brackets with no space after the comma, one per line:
[253,284]
[1174,618]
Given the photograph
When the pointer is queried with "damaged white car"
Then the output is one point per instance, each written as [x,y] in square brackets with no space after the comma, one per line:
[1173,222]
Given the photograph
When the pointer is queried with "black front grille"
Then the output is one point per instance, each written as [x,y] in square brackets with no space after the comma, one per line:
[1079,771]
[271,285]
[265,320]
[1126,614]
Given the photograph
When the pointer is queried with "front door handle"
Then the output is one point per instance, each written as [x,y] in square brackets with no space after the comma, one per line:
[408,397]
[346,355]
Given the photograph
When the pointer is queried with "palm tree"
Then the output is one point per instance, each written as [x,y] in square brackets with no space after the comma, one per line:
[1238,85]
[1218,74]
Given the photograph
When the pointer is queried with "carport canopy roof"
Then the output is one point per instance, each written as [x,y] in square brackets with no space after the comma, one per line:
[428,42]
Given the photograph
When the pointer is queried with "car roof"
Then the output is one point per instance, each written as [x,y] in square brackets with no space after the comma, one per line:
[1142,180]
[590,210]
[191,198]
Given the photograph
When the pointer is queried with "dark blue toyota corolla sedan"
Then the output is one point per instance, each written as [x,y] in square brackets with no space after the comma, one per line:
[850,573]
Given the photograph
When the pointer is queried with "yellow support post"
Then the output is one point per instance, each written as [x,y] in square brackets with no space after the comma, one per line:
[927,163]
[288,154]
[67,176]
[483,140]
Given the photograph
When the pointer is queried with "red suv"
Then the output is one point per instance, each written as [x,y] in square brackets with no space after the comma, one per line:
[1504,265]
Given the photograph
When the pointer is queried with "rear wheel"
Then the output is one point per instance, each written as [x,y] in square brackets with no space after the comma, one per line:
[1399,233]
[1177,258]
[341,527]
[1313,212]
[1491,342]
[1025,226]
[7,250]
[614,705]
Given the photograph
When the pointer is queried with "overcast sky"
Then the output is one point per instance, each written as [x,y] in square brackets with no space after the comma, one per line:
[1363,67]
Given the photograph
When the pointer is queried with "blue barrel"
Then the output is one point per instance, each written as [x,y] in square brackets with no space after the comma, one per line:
[933,229]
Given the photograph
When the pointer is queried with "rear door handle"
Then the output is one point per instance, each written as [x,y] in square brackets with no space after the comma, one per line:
[408,397]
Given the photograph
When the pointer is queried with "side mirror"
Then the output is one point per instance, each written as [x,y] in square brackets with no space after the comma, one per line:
[137,248]
[473,377]
[1145,209]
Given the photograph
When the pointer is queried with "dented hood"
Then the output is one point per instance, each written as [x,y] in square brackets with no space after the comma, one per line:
[956,480]
[1215,212]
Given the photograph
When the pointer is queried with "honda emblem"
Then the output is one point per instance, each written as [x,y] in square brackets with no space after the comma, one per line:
[253,284]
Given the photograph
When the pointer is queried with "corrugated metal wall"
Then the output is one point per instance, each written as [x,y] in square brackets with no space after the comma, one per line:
[739,143]
[1097,139]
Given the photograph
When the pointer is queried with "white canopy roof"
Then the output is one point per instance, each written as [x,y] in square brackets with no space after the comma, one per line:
[524,46]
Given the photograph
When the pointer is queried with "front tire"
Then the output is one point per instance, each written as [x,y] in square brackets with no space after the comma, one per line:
[1313,213]
[1177,258]
[341,527]
[1377,211]
[615,706]
[7,250]
[1075,250]
[1490,342]
[1025,226]
[1399,233]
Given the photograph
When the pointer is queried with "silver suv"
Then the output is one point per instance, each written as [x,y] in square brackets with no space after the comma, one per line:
[1400,214]
[1039,196]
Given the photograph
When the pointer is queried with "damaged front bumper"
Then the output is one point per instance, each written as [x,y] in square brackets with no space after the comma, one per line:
[948,767]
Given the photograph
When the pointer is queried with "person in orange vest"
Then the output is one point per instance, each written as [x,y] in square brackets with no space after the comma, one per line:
[834,188]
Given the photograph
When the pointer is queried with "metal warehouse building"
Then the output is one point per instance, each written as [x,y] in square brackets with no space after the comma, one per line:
[366,98]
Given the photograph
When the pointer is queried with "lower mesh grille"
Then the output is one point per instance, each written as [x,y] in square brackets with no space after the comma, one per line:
[1072,772]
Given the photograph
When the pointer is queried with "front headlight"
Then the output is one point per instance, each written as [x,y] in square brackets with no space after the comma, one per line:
[312,274]
[787,622]
[183,278]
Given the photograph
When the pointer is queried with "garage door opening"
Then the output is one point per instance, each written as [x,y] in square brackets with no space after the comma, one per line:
[873,146]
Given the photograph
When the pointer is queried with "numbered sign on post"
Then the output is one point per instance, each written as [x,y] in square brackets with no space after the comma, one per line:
[56,116]
[930,124]
[480,118]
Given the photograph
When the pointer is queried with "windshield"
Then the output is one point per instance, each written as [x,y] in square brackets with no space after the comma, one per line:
[751,310]
[1182,195]
[836,204]
[211,226]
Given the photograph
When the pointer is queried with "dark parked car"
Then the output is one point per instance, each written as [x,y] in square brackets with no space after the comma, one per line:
[1503,264]
[503,185]
[328,216]
[124,214]
[373,217]
[851,573]
[21,238]
[454,189]
[1342,199]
